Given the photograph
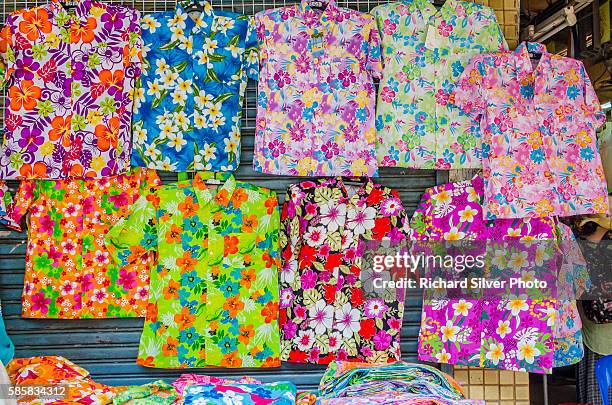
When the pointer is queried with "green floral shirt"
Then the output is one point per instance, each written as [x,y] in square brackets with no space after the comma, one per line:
[424,52]
[155,393]
[214,295]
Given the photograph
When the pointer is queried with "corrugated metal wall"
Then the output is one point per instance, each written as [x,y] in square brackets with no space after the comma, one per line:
[108,348]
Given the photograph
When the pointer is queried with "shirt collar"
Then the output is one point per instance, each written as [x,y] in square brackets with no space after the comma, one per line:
[82,10]
[311,17]
[429,11]
[523,61]
[223,195]
[365,187]
[204,20]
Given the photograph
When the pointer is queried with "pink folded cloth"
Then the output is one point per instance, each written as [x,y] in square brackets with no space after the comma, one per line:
[196,379]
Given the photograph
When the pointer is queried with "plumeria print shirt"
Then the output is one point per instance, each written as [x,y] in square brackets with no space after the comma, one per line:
[69,272]
[69,75]
[424,52]
[189,98]
[493,331]
[214,294]
[316,99]
[329,307]
[539,119]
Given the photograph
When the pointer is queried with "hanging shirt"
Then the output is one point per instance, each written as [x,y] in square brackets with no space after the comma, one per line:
[330,308]
[316,102]
[70,78]
[190,96]
[539,124]
[69,272]
[214,294]
[493,331]
[424,52]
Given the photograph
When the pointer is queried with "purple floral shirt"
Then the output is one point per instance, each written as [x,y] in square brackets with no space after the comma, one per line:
[316,103]
[492,332]
[69,75]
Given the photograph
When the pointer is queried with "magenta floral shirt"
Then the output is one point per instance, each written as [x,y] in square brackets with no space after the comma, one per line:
[504,333]
[539,123]
[316,102]
[69,76]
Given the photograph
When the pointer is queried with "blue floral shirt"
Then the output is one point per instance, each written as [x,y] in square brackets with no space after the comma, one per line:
[189,98]
[278,393]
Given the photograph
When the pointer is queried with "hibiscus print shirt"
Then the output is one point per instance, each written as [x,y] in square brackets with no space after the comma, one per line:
[189,98]
[69,272]
[424,52]
[329,309]
[70,78]
[492,332]
[316,101]
[214,294]
[539,120]
[276,393]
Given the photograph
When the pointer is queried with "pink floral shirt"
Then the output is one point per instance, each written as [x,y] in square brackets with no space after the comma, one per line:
[316,103]
[539,123]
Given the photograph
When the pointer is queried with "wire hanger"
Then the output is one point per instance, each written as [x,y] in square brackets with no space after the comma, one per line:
[195,6]
[438,3]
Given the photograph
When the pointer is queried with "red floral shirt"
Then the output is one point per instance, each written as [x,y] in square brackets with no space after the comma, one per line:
[330,306]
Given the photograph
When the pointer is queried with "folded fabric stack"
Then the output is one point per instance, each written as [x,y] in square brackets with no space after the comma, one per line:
[278,393]
[185,380]
[398,383]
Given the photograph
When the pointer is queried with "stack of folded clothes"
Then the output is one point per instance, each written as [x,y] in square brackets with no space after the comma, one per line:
[398,383]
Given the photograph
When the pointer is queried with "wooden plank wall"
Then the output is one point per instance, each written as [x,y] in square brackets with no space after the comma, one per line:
[108,348]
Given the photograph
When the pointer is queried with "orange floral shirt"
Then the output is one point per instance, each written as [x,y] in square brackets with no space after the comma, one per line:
[69,272]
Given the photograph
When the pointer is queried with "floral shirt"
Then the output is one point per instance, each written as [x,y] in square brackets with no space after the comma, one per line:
[70,78]
[424,52]
[189,98]
[276,393]
[492,332]
[316,102]
[154,393]
[58,371]
[539,124]
[214,294]
[329,308]
[69,272]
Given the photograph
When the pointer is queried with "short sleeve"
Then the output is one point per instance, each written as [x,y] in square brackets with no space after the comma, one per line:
[374,61]
[133,236]
[593,113]
[25,196]
[6,52]
[467,94]
[251,55]
[489,36]
[6,201]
